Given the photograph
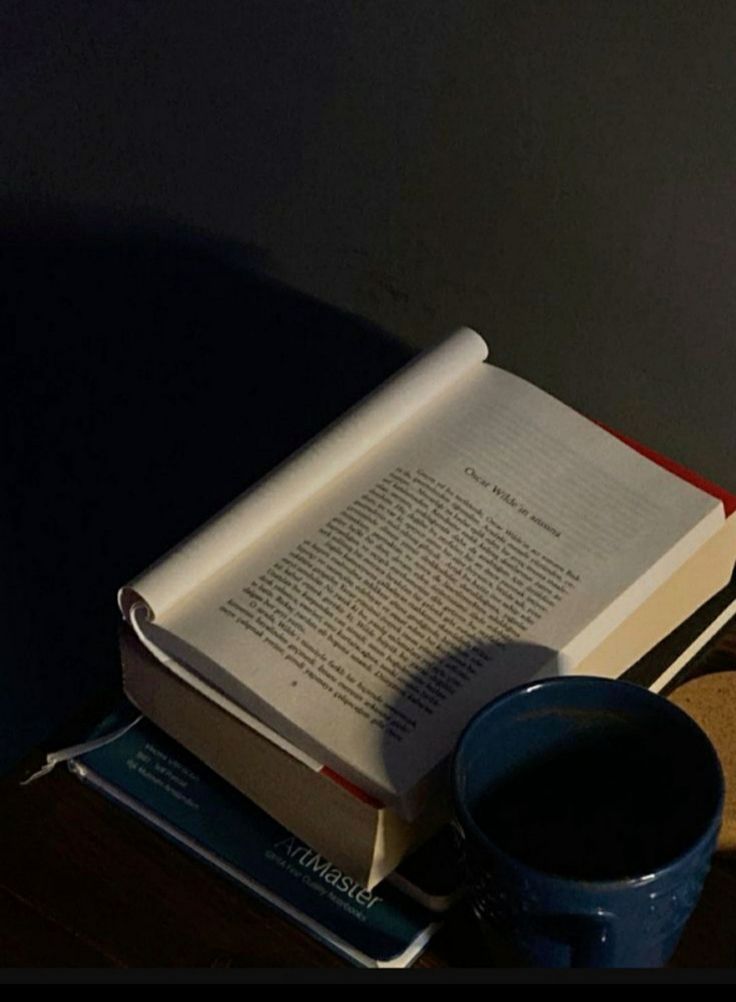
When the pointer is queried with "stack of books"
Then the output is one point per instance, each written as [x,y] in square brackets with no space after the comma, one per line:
[321,643]
[148,774]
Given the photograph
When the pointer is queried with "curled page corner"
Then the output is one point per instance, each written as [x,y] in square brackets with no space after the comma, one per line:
[129,600]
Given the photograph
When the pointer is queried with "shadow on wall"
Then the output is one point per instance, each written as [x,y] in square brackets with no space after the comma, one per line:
[150,374]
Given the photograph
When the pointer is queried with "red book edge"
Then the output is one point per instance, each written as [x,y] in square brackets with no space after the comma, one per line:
[727,499]
[350,787]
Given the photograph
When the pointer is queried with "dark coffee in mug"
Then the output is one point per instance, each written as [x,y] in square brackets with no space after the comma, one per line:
[606,806]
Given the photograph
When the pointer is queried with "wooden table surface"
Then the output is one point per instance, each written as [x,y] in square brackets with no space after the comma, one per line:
[83,884]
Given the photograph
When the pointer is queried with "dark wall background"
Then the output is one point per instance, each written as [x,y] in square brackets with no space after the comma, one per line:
[559,174]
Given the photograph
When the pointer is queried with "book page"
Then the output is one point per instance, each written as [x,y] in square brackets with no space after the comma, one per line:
[496,536]
[273,499]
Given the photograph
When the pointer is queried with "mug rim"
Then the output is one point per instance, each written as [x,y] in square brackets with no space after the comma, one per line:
[469,825]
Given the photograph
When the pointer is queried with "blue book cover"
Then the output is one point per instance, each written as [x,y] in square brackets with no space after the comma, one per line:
[149,774]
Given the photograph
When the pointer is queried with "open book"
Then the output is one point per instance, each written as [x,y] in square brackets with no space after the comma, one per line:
[456,533]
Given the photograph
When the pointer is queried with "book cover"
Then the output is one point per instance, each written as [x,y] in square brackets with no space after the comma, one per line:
[147,773]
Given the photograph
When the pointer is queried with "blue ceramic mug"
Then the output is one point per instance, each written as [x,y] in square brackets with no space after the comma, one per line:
[589,810]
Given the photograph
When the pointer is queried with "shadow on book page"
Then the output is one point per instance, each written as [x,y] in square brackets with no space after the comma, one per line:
[402,718]
[438,699]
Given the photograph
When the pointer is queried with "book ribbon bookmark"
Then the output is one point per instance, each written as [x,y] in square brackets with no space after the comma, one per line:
[74,751]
